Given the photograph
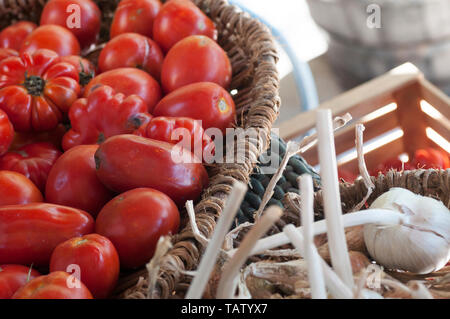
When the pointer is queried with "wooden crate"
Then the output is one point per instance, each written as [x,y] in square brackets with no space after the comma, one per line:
[401,111]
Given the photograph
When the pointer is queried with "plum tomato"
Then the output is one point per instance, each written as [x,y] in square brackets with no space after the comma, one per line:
[97,258]
[132,50]
[14,277]
[125,162]
[16,189]
[56,285]
[204,101]
[73,182]
[13,36]
[179,19]
[196,58]
[135,16]
[62,13]
[134,221]
[52,37]
[30,232]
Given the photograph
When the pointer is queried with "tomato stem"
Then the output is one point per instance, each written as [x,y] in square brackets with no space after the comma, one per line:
[34,84]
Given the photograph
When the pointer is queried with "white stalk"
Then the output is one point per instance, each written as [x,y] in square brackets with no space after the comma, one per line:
[315,274]
[215,244]
[197,234]
[228,281]
[335,285]
[369,216]
[331,197]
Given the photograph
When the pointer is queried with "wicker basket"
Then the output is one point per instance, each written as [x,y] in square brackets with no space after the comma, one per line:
[252,53]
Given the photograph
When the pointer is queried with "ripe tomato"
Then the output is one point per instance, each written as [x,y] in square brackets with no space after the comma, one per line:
[103,114]
[179,19]
[86,69]
[135,16]
[203,101]
[127,161]
[184,131]
[132,50]
[36,89]
[129,81]
[72,181]
[54,286]
[30,232]
[346,175]
[195,59]
[51,37]
[134,221]
[53,137]
[13,36]
[6,133]
[393,163]
[13,277]
[61,12]
[97,258]
[6,53]
[32,160]
[17,189]
[431,158]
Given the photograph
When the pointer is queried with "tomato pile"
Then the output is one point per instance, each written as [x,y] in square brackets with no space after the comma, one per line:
[88,180]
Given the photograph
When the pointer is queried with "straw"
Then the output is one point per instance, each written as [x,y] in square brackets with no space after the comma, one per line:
[315,274]
[196,232]
[340,258]
[228,281]
[213,249]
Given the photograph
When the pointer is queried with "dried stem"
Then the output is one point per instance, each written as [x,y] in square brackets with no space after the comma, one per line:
[197,235]
[292,149]
[153,266]
[331,197]
[419,291]
[315,274]
[335,285]
[359,129]
[228,281]
[213,249]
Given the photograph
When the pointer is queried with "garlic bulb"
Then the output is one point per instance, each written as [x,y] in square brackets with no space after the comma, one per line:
[421,244]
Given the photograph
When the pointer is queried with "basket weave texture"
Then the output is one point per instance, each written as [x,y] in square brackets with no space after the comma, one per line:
[253,57]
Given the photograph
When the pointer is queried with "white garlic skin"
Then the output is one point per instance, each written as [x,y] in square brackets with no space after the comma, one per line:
[422,244]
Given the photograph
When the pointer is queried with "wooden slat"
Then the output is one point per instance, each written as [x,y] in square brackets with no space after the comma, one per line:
[358,101]
[439,127]
[438,99]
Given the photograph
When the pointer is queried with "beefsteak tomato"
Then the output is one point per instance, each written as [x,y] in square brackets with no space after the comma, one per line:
[6,133]
[86,69]
[37,89]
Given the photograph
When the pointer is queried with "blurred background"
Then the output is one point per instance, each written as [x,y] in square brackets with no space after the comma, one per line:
[327,47]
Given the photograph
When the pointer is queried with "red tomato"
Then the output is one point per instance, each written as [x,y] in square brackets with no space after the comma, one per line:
[36,89]
[52,37]
[103,114]
[13,277]
[134,221]
[6,133]
[127,161]
[97,258]
[33,160]
[54,286]
[29,233]
[135,16]
[72,181]
[431,158]
[13,36]
[129,81]
[86,69]
[393,163]
[179,19]
[347,176]
[6,53]
[53,137]
[184,131]
[17,189]
[203,101]
[62,13]
[132,50]
[195,59]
